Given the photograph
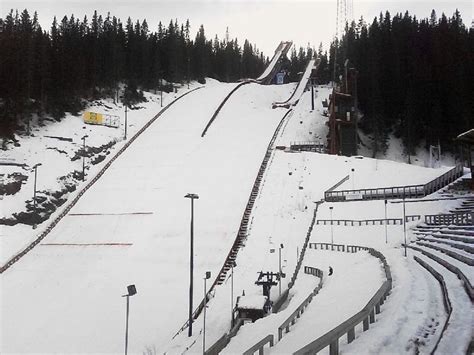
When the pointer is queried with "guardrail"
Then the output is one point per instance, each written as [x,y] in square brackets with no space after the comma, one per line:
[101,172]
[458,218]
[284,296]
[308,146]
[305,245]
[260,345]
[384,193]
[337,184]
[222,342]
[300,310]
[367,222]
[338,247]
[366,316]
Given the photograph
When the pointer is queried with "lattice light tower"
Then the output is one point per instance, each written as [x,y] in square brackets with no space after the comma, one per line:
[344,13]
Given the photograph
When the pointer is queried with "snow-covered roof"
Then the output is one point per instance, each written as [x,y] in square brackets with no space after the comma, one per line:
[467,137]
[252,302]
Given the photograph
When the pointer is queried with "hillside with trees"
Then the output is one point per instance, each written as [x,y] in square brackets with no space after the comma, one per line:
[48,73]
[415,77]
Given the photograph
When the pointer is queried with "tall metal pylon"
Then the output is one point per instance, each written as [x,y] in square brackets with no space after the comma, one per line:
[341,19]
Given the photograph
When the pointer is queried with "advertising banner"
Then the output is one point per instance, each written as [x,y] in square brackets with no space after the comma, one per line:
[93,118]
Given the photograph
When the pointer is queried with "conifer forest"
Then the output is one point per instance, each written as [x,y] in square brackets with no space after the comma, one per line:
[414,75]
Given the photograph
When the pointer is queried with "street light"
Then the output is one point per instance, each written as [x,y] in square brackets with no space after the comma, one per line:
[332,232]
[404,225]
[161,91]
[84,157]
[34,192]
[232,265]
[279,267]
[353,173]
[125,133]
[386,239]
[208,276]
[131,290]
[190,321]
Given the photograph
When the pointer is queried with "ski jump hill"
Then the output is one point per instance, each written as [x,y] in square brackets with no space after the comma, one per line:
[264,79]
[300,88]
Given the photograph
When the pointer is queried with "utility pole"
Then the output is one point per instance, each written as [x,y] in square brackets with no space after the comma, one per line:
[84,157]
[125,134]
[191,265]
[208,276]
[404,224]
[386,238]
[131,290]
[161,92]
[34,192]
[332,232]
[279,268]
[189,73]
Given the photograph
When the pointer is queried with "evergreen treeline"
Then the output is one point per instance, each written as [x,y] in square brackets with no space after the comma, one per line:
[53,72]
[415,77]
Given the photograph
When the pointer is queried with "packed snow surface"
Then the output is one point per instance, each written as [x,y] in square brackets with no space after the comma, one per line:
[132,227]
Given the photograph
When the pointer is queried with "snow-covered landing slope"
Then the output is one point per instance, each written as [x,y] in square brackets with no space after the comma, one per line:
[64,297]
[283,211]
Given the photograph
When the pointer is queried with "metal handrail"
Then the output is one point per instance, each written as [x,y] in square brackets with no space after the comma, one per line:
[458,218]
[408,191]
[259,346]
[333,335]
[359,222]
[366,315]
[299,310]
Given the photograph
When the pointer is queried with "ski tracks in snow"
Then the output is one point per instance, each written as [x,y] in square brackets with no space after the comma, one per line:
[413,318]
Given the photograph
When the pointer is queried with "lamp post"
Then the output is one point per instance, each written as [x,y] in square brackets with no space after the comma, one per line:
[279,268]
[332,232]
[233,264]
[84,157]
[191,259]
[35,167]
[353,173]
[125,131]
[386,238]
[208,276]
[404,225]
[189,72]
[161,92]
[131,290]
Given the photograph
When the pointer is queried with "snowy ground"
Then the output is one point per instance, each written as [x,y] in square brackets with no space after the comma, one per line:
[55,155]
[293,182]
[69,285]
[62,296]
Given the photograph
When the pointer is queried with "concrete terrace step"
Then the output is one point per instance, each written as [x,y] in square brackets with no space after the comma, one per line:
[458,255]
[457,301]
[449,249]
[466,232]
[452,231]
[457,245]
[463,271]
[467,240]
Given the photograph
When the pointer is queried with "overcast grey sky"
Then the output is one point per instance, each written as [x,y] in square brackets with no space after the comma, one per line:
[263,22]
